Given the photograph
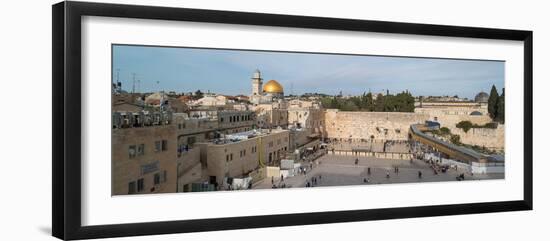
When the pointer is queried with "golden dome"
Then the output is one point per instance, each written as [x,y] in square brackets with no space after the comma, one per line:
[273,86]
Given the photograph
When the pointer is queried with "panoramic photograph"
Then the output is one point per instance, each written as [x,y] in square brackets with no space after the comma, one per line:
[198,119]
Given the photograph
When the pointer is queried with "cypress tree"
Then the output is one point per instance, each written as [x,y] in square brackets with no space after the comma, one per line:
[493,102]
[500,108]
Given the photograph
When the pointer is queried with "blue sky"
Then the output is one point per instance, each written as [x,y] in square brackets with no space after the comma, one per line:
[229,72]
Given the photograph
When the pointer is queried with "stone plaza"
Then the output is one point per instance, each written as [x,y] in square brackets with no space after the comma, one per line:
[338,170]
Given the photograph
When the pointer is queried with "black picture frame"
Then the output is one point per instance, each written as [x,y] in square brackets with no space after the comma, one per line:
[66,158]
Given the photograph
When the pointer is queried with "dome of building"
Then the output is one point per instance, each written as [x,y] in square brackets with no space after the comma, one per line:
[273,86]
[476,113]
[482,97]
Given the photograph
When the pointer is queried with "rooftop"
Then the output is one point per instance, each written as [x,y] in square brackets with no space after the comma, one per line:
[237,137]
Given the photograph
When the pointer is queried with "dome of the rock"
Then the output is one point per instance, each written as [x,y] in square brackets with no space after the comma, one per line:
[273,86]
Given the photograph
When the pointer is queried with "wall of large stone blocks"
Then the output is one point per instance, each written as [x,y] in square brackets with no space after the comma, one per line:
[384,126]
[450,116]
[363,125]
[490,138]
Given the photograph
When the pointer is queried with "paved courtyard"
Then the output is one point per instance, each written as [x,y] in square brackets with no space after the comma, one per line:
[335,170]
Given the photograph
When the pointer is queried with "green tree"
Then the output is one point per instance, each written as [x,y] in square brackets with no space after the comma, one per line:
[379,103]
[198,94]
[500,108]
[445,131]
[334,103]
[455,139]
[465,125]
[326,102]
[349,106]
[389,103]
[369,102]
[492,104]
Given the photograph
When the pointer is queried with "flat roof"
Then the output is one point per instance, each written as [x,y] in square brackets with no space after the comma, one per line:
[245,135]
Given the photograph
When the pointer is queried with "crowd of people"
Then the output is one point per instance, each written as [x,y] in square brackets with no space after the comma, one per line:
[420,152]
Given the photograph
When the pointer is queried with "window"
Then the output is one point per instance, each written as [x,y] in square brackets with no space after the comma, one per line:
[140,186]
[156,179]
[164,176]
[141,150]
[164,145]
[161,145]
[132,151]
[226,158]
[158,146]
[131,187]
[231,157]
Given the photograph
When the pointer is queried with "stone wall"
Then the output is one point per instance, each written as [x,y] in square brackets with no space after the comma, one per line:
[451,115]
[395,126]
[490,138]
[364,125]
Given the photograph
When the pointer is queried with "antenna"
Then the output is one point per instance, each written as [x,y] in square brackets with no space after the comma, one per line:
[138,85]
[133,83]
[118,85]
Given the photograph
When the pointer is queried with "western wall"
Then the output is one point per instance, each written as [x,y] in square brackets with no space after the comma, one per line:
[366,125]
[395,126]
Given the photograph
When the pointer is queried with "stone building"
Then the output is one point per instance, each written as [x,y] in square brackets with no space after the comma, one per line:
[143,155]
[307,117]
[200,127]
[239,154]
[271,115]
